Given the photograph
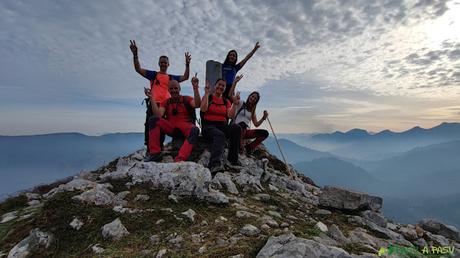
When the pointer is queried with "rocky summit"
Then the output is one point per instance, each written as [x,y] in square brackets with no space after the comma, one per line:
[132,208]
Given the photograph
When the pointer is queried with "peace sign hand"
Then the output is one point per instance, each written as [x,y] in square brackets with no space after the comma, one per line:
[188,58]
[133,47]
[256,46]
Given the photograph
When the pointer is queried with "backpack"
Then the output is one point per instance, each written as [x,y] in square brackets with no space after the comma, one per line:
[232,121]
[188,107]
[210,102]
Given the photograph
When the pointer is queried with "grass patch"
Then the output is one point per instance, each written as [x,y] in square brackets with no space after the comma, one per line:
[13,203]
[13,232]
[43,189]
[305,229]
[55,217]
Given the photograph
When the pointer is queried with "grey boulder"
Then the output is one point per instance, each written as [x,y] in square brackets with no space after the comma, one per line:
[343,199]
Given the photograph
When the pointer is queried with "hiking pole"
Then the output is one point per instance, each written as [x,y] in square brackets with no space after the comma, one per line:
[279,147]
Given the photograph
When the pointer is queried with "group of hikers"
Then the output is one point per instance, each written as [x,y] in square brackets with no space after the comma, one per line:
[224,117]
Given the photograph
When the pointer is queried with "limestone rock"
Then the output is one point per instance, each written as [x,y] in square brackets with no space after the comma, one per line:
[215,197]
[220,219]
[9,216]
[337,235]
[248,182]
[439,228]
[32,196]
[97,249]
[343,199]
[375,217]
[75,184]
[273,188]
[359,235]
[262,197]
[269,221]
[176,241]
[226,180]
[190,214]
[288,245]
[76,224]
[441,240]
[36,241]
[245,214]
[275,214]
[100,195]
[173,198]
[408,233]
[295,187]
[115,230]
[321,226]
[398,238]
[265,227]
[249,230]
[161,253]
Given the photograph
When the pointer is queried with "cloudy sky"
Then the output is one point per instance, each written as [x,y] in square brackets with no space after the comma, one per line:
[66,66]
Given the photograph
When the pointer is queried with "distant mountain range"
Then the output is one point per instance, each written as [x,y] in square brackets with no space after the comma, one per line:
[413,167]
[293,152]
[360,144]
[26,161]
[412,182]
[444,132]
[333,171]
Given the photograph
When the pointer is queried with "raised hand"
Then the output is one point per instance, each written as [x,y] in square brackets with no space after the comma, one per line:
[236,98]
[195,82]
[148,92]
[188,58]
[256,46]
[133,47]
[207,88]
[238,78]
[265,115]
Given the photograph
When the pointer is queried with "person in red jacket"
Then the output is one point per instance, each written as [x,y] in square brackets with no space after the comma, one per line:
[179,111]
[216,110]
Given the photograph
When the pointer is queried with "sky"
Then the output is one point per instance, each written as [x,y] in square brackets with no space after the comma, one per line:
[322,66]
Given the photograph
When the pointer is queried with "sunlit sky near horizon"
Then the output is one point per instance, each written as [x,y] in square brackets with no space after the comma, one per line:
[322,66]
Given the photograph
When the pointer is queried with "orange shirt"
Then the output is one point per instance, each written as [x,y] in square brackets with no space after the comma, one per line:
[159,84]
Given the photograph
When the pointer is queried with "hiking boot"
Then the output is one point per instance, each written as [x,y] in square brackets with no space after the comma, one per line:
[235,165]
[215,169]
[249,150]
[152,157]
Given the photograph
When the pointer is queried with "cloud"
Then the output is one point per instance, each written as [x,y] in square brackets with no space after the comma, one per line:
[77,53]
[320,108]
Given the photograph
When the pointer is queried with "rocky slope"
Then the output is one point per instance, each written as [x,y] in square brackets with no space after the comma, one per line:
[132,208]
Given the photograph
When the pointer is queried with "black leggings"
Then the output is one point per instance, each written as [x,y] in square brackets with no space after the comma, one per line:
[217,133]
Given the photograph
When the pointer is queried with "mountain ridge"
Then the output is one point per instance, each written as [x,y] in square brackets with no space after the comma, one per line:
[132,208]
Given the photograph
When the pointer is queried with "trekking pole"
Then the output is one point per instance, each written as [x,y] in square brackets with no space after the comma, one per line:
[279,147]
